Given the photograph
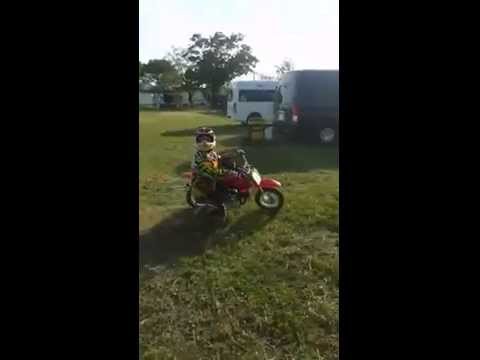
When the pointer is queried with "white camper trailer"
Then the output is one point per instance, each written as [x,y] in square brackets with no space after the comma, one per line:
[250,99]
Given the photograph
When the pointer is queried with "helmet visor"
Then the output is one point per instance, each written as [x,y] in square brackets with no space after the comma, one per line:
[204,137]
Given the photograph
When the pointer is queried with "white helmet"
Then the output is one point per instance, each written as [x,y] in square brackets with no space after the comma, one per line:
[205,139]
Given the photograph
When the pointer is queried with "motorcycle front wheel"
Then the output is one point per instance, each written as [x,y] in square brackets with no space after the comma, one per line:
[269,199]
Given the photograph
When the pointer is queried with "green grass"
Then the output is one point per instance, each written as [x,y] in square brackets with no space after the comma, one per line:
[260,288]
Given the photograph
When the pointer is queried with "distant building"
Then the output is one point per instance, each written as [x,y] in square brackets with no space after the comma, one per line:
[146,99]
[198,98]
[151,99]
[151,93]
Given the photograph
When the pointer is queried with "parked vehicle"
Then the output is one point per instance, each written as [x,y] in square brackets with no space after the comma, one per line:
[240,188]
[251,99]
[306,102]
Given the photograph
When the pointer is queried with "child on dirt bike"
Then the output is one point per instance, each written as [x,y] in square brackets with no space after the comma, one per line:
[208,173]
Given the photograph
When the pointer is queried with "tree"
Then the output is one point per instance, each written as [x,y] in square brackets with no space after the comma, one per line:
[266,77]
[140,69]
[149,83]
[162,73]
[216,60]
[171,79]
[177,58]
[157,67]
[284,67]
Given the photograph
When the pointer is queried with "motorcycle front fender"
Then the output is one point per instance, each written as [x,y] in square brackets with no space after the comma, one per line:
[267,183]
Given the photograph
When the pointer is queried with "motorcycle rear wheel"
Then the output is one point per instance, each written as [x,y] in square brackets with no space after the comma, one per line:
[189,198]
[219,213]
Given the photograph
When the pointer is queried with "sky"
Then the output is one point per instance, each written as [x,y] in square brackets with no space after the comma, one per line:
[303,31]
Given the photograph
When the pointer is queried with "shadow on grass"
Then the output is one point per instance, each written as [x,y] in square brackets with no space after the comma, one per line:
[218,113]
[279,156]
[283,158]
[183,234]
[219,130]
[246,225]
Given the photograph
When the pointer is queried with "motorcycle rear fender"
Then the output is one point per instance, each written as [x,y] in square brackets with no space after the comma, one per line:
[267,183]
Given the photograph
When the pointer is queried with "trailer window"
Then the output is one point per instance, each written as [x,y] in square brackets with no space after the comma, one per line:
[256,95]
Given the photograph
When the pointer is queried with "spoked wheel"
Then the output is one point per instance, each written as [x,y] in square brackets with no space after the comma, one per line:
[269,199]
[327,135]
[218,212]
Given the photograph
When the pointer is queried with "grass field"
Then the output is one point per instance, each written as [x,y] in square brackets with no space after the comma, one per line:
[260,288]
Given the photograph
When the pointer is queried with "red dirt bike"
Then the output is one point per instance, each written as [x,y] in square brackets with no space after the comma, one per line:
[239,188]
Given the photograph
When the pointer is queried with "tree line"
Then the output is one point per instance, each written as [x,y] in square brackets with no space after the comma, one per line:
[208,63]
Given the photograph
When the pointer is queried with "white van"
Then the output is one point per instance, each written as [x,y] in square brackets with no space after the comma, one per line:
[249,99]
